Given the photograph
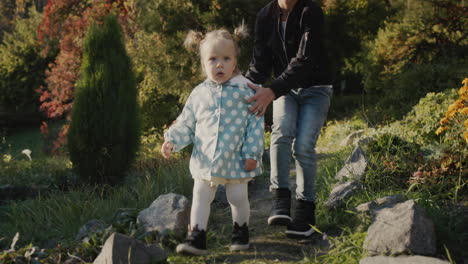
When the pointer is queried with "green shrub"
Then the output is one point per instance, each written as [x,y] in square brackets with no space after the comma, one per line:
[104,131]
[421,123]
[393,161]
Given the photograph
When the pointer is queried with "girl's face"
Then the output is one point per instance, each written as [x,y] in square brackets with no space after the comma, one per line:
[219,60]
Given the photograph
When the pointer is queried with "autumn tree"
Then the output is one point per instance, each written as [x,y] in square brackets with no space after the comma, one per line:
[61,33]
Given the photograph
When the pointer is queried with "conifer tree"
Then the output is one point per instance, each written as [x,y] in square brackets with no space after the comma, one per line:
[104,131]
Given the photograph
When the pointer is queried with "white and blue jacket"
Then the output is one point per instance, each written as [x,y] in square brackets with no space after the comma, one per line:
[217,121]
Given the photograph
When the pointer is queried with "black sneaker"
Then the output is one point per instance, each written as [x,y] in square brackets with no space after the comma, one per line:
[304,217]
[194,244]
[280,210]
[240,237]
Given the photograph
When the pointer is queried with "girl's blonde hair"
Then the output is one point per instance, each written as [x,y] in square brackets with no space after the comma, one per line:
[195,41]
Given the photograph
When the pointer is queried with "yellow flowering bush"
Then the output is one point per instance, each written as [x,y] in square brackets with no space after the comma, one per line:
[454,124]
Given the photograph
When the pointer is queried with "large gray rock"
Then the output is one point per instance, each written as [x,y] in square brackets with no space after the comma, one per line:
[169,212]
[401,229]
[385,202]
[402,260]
[122,249]
[351,138]
[341,192]
[354,167]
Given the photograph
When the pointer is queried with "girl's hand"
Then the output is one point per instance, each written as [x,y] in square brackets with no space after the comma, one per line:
[250,164]
[166,149]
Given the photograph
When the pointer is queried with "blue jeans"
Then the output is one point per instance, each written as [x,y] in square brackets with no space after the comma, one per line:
[297,119]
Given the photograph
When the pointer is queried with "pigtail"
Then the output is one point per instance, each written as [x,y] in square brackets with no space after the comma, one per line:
[192,40]
[241,32]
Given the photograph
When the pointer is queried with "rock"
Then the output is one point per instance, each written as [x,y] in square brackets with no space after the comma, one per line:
[354,167]
[381,203]
[402,228]
[168,212]
[341,192]
[92,226]
[402,260]
[351,137]
[366,207]
[122,249]
[390,200]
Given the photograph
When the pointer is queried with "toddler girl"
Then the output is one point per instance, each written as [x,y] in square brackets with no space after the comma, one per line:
[227,139]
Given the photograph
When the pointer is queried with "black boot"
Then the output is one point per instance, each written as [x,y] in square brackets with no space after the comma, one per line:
[280,211]
[304,217]
[240,237]
[195,243]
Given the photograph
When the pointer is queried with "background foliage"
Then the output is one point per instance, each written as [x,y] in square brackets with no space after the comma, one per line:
[21,65]
[421,50]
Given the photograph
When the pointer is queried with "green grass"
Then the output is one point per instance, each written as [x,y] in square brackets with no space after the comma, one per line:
[49,171]
[13,141]
[59,215]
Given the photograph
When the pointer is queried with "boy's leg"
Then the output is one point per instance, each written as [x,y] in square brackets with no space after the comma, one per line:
[314,104]
[283,132]
[237,195]
[195,243]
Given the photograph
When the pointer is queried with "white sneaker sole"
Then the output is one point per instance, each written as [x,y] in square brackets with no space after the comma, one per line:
[187,249]
[298,233]
[279,220]
[239,247]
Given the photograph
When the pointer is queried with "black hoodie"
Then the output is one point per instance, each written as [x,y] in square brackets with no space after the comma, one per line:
[299,62]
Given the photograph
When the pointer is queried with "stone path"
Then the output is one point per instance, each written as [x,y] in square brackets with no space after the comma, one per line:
[268,244]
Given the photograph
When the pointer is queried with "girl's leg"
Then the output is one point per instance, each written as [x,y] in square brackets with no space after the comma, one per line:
[203,195]
[237,196]
[195,243]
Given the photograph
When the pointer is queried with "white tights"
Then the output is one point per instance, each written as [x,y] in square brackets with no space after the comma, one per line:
[203,195]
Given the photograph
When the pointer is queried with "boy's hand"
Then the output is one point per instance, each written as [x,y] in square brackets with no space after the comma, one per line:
[250,164]
[166,149]
[262,98]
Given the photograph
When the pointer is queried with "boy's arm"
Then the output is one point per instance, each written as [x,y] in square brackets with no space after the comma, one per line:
[307,60]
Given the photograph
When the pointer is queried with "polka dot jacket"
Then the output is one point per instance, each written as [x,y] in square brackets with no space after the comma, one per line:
[216,119]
